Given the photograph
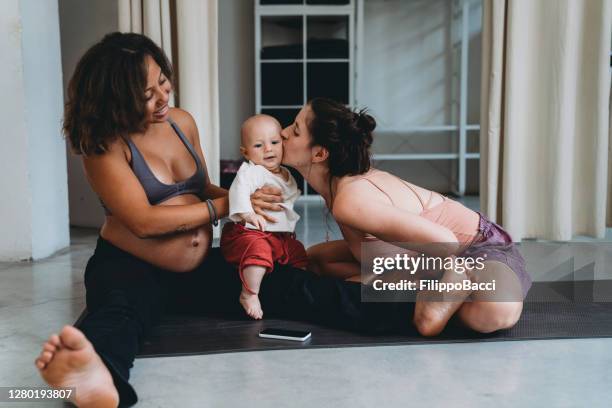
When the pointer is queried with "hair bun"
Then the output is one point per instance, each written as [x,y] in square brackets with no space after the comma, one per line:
[364,121]
[362,127]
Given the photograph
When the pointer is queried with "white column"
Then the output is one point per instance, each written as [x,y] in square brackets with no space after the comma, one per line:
[136,16]
[34,203]
[124,8]
[198,73]
[166,28]
[166,34]
[151,11]
[463,96]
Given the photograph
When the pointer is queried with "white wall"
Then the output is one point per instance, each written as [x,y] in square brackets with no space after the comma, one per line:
[34,205]
[236,71]
[410,78]
[15,207]
[410,50]
[82,24]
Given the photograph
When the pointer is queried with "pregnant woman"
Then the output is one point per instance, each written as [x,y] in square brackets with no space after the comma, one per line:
[154,253]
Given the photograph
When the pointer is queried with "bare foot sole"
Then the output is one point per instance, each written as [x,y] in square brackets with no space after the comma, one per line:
[69,361]
[430,317]
[251,305]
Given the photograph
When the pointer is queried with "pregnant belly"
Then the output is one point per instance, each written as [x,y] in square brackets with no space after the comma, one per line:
[180,252]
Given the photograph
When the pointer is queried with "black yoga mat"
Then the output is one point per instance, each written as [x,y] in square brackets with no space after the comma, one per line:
[553,310]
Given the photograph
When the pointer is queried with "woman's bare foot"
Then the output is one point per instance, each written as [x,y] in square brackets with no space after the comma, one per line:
[69,361]
[251,305]
[433,309]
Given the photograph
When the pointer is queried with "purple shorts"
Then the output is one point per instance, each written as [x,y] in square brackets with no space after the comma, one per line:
[495,244]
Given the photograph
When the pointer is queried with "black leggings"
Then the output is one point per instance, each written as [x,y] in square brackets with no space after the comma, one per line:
[126,297]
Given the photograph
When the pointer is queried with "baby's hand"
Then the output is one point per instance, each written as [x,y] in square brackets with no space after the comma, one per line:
[256,220]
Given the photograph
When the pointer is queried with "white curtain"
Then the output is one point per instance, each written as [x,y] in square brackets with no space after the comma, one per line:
[197,59]
[199,75]
[545,116]
[148,17]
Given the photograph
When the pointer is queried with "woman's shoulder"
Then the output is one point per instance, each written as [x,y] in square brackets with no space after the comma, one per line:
[362,185]
[349,184]
[116,159]
[184,121]
[116,148]
[347,188]
[181,116]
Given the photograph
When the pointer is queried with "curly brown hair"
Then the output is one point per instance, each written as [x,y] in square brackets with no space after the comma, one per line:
[106,94]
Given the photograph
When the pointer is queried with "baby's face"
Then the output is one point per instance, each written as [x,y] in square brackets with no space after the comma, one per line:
[264,146]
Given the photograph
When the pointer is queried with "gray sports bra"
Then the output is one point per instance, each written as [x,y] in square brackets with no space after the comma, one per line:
[157,191]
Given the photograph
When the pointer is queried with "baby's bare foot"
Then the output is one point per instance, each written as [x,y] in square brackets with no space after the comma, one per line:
[69,361]
[251,305]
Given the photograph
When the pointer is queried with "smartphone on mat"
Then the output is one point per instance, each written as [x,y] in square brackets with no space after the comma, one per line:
[283,334]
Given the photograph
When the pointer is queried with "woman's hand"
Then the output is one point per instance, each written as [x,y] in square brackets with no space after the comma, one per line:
[266,198]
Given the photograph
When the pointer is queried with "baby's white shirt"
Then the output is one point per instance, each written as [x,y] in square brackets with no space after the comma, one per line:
[250,177]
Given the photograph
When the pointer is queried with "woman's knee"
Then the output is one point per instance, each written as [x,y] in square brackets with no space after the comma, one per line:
[488,317]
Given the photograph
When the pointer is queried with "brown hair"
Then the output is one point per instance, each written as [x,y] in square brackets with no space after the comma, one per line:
[106,94]
[346,134]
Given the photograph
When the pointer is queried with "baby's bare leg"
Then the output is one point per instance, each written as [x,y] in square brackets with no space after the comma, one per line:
[252,276]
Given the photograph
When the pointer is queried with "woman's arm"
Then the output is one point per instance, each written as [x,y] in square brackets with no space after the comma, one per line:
[111,177]
[213,191]
[391,224]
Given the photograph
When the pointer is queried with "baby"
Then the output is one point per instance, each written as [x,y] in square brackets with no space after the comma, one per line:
[250,242]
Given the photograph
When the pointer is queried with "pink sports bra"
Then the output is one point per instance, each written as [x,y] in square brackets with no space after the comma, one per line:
[449,213]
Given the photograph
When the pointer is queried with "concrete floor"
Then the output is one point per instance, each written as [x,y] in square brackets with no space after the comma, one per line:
[38,298]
